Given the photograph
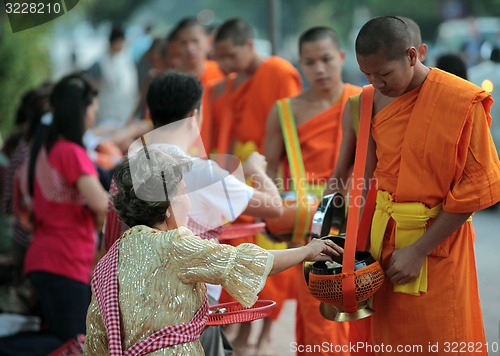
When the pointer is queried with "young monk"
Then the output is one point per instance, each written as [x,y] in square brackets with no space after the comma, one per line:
[431,150]
[193,46]
[149,293]
[259,83]
[316,113]
[350,122]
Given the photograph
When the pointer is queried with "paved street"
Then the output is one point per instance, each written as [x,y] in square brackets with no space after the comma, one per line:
[487,225]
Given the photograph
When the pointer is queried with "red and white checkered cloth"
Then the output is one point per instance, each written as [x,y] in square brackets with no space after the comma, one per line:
[202,231]
[105,288]
[113,228]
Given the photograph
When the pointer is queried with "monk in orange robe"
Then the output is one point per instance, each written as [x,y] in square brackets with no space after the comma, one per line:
[193,47]
[436,164]
[259,83]
[217,108]
[317,113]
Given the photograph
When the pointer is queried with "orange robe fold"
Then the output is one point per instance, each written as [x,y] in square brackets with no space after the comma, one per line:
[211,75]
[250,104]
[217,108]
[320,138]
[434,146]
[274,79]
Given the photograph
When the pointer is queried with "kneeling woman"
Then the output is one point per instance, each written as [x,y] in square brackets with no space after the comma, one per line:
[149,293]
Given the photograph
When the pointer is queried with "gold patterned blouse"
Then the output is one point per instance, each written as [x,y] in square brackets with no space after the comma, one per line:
[161,276]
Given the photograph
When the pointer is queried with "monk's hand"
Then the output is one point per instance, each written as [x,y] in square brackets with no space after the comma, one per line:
[255,164]
[405,265]
[321,250]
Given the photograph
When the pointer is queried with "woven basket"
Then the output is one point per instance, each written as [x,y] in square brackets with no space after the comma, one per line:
[328,288]
[325,283]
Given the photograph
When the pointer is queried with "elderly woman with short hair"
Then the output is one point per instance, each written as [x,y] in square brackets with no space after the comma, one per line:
[149,290]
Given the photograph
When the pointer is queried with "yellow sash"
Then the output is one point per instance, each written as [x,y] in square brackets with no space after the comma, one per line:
[411,222]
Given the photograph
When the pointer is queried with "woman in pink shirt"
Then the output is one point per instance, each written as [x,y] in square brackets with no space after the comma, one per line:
[67,201]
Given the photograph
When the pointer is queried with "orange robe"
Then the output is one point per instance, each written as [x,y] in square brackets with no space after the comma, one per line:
[434,146]
[251,102]
[217,109]
[320,138]
[274,79]
[210,76]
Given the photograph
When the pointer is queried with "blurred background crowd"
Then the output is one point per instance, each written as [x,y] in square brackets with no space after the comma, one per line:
[77,40]
[121,45]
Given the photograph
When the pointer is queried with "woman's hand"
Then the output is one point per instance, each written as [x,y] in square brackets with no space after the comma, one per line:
[316,250]
[321,250]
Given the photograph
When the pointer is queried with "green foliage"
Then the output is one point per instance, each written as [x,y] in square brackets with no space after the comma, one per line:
[25,65]
[117,11]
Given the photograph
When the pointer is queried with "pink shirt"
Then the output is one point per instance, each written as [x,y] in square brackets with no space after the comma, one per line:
[64,231]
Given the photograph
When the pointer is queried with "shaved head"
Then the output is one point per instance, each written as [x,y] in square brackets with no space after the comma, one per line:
[388,34]
[414,28]
[188,22]
[319,33]
[236,30]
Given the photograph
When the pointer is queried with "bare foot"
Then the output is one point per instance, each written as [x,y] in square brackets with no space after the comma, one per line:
[266,350]
[265,345]
[245,350]
[240,343]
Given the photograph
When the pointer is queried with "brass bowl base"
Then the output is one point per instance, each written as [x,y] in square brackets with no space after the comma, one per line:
[333,313]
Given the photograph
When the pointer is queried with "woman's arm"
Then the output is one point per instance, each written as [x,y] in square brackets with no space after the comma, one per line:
[95,195]
[316,250]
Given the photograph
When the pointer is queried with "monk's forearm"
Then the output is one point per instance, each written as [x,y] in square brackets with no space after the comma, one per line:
[444,226]
[272,170]
[338,183]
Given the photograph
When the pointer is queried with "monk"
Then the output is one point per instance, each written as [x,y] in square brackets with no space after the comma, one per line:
[193,46]
[435,164]
[317,113]
[350,122]
[257,86]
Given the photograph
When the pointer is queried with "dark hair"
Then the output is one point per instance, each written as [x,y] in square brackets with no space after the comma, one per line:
[34,103]
[172,96]
[187,22]
[117,33]
[236,30]
[388,34]
[137,202]
[40,105]
[452,63]
[69,100]
[319,33]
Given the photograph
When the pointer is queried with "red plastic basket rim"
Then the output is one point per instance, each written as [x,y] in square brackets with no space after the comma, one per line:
[260,305]
[239,230]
